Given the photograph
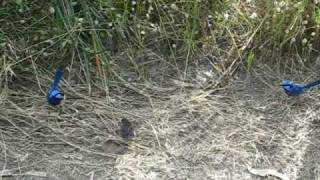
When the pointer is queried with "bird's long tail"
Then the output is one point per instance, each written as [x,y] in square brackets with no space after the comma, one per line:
[57,78]
[314,83]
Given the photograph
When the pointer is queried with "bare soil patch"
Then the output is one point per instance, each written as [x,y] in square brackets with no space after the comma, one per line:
[179,133]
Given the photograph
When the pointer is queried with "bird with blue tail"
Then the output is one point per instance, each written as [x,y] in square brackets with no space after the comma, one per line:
[54,96]
[293,89]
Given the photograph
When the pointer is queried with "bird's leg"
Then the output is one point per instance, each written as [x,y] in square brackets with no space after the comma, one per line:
[60,109]
[297,101]
[60,106]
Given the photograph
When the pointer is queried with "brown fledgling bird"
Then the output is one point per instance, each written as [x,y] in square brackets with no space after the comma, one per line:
[126,130]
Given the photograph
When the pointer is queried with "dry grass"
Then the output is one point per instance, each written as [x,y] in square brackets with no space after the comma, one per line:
[186,134]
[183,130]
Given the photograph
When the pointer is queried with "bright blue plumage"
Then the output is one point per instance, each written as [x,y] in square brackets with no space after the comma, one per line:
[293,89]
[57,79]
[314,83]
[54,96]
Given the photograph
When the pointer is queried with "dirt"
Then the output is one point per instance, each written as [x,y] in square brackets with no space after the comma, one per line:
[185,134]
[311,160]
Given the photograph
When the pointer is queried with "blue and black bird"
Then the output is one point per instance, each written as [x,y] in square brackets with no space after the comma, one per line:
[293,89]
[54,96]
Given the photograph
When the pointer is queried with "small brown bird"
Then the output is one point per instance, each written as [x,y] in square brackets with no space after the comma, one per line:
[126,129]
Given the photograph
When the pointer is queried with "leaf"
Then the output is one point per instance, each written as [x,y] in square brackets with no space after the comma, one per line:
[317,17]
[250,59]
[19,2]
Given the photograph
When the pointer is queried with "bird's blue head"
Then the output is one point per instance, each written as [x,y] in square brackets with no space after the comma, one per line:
[55,97]
[292,89]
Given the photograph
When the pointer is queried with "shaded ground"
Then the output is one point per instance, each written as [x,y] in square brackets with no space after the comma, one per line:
[311,161]
[180,132]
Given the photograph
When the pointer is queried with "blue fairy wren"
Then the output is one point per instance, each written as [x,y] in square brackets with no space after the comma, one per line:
[54,96]
[293,89]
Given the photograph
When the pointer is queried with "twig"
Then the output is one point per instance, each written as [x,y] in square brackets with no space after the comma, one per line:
[267,172]
[8,173]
